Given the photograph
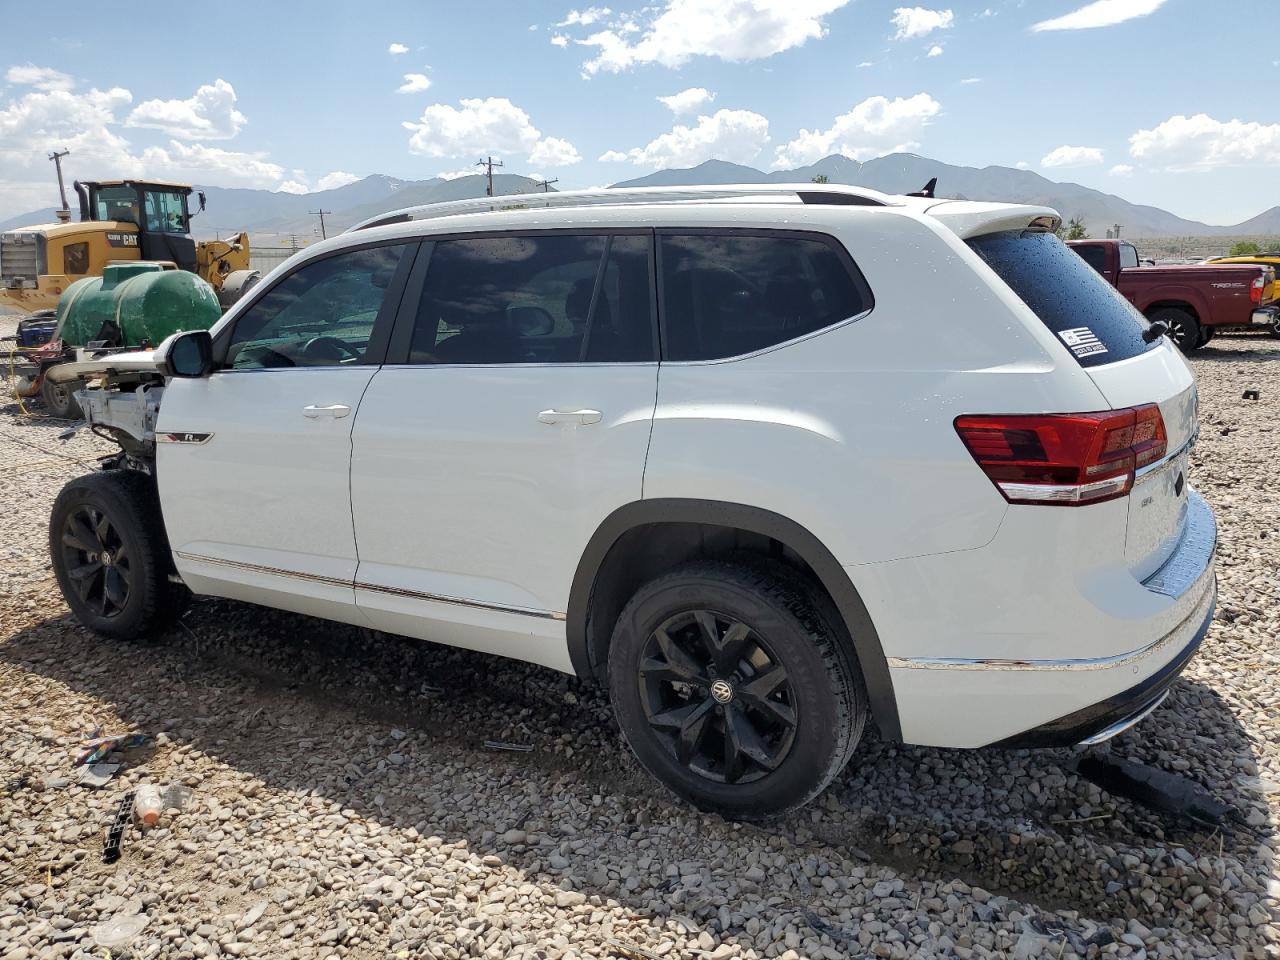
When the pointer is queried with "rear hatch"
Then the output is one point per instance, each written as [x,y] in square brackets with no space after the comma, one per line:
[1104,333]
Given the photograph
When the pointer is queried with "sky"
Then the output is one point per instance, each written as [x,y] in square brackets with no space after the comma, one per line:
[1165,102]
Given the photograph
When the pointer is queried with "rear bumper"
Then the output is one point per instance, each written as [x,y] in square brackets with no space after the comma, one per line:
[1266,316]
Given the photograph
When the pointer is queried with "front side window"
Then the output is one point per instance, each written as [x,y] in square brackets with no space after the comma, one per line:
[550,298]
[320,315]
[117,203]
[724,295]
[166,211]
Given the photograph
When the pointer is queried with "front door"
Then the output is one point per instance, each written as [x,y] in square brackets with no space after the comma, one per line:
[515,420]
[253,461]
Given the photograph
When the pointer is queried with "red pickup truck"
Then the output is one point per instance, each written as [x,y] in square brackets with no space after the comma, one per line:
[1192,301]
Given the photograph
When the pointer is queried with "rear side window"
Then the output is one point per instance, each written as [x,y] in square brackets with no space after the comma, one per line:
[1088,315]
[552,298]
[726,294]
[1128,256]
[1095,257]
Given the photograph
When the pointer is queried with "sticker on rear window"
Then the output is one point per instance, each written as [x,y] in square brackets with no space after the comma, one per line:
[1082,341]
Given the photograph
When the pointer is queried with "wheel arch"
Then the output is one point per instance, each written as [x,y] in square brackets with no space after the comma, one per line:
[588,641]
[1185,303]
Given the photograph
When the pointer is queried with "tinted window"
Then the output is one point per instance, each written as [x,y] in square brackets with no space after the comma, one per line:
[536,299]
[1128,256]
[1095,257]
[75,259]
[165,211]
[1090,316]
[117,203]
[729,294]
[319,315]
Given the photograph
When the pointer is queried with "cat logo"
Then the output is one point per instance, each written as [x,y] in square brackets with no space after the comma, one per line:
[122,239]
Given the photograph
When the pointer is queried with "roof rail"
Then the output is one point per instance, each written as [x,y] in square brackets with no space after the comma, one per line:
[826,193]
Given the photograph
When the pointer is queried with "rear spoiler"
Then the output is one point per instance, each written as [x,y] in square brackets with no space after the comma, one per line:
[968,219]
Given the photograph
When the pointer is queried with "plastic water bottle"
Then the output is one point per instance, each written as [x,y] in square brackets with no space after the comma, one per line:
[148,804]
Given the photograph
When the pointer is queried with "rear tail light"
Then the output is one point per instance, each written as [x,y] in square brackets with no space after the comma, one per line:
[1065,459]
[1256,288]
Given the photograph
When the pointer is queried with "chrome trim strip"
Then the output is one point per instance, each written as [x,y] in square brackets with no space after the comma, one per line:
[373,587]
[1062,493]
[1166,461]
[459,601]
[1090,663]
[262,568]
[1120,726]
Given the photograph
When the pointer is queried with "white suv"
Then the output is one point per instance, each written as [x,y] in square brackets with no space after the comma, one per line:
[767,460]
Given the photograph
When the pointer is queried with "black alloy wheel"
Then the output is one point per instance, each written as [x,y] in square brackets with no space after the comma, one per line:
[97,561]
[717,696]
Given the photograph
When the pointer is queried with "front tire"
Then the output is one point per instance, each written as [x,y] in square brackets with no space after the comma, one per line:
[111,556]
[59,399]
[1184,329]
[731,688]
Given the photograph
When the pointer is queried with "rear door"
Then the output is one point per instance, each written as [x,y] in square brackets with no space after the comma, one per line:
[512,418]
[1104,333]
[253,460]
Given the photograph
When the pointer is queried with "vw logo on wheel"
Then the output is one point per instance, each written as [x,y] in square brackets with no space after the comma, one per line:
[722,691]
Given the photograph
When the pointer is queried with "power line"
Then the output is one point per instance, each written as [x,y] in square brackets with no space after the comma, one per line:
[321,214]
[489,164]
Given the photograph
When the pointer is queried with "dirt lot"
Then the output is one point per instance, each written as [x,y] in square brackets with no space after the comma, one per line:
[345,804]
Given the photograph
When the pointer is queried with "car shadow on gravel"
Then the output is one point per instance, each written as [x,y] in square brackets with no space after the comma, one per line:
[310,706]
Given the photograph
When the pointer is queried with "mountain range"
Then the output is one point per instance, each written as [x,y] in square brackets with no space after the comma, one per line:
[263,212]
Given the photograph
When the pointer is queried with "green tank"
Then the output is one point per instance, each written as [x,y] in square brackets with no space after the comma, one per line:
[134,305]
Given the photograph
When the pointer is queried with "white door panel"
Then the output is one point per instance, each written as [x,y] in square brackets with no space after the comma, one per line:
[266,497]
[483,485]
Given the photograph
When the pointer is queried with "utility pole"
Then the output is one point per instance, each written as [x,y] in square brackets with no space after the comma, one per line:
[489,164]
[546,184]
[1116,229]
[321,214]
[65,213]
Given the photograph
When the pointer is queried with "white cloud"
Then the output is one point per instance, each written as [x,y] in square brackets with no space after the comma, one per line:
[396,49]
[1121,170]
[210,114]
[1022,165]
[1202,143]
[1067,156]
[971,80]
[935,51]
[585,17]
[874,127]
[733,30]
[414,83]
[687,101]
[292,186]
[494,125]
[554,152]
[332,181]
[613,156]
[226,166]
[42,78]
[920,21]
[1101,13]
[458,174]
[865,63]
[734,135]
[559,40]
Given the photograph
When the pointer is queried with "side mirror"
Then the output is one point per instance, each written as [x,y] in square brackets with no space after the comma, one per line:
[187,354]
[200,197]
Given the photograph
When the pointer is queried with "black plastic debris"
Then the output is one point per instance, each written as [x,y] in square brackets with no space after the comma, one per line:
[835,933]
[1253,395]
[1157,789]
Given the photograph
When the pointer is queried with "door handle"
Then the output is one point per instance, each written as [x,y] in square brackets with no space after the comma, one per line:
[334,411]
[570,416]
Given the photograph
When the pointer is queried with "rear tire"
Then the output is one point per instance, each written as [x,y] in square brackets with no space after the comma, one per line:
[59,399]
[111,556]
[1184,329]
[731,688]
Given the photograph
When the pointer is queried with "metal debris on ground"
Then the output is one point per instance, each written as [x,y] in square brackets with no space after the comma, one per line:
[118,931]
[115,832]
[504,745]
[97,747]
[1157,789]
[98,774]
[822,927]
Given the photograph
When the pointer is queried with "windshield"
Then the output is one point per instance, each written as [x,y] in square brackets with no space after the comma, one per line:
[1089,316]
[116,203]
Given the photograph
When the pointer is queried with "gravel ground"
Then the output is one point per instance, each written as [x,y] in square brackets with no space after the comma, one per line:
[344,803]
